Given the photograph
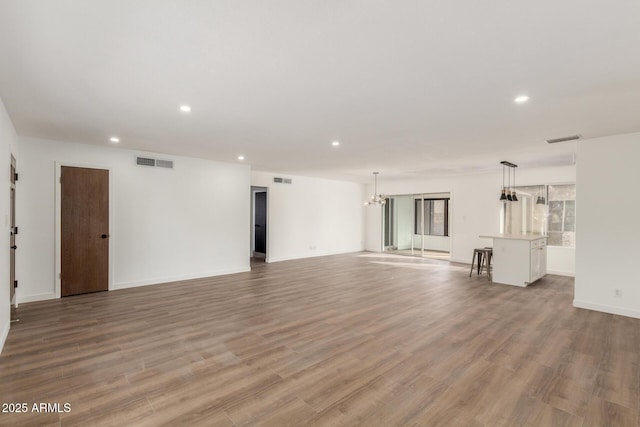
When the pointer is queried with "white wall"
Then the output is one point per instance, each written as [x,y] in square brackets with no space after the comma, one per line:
[474,209]
[8,146]
[561,260]
[608,236]
[166,225]
[311,216]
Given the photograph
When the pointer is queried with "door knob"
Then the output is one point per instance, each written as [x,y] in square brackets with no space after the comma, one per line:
[14,247]
[104,236]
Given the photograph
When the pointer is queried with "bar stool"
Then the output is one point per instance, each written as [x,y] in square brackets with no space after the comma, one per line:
[489,259]
[484,256]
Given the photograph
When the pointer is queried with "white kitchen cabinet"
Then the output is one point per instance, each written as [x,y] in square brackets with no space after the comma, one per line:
[518,259]
[538,259]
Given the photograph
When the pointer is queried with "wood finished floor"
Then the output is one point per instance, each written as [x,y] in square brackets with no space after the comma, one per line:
[358,339]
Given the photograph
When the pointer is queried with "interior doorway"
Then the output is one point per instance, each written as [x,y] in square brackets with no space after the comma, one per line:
[259,231]
[12,241]
[261,223]
[84,230]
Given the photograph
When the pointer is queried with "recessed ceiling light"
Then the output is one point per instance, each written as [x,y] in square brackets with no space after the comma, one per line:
[240,157]
[185,108]
[521,99]
[114,139]
[335,143]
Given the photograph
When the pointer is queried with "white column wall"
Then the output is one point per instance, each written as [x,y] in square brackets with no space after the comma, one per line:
[608,237]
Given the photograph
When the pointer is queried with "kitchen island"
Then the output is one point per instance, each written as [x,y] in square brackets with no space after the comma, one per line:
[518,259]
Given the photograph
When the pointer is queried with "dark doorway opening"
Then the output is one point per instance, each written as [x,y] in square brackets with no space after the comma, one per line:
[259,246]
[261,223]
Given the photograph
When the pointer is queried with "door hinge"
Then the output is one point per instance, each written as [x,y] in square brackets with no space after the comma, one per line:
[59,275]
[15,176]
[60,180]
[15,230]
[15,283]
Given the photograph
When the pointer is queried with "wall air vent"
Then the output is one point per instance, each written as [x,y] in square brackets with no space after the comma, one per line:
[154,163]
[563,139]
[164,164]
[145,161]
[279,180]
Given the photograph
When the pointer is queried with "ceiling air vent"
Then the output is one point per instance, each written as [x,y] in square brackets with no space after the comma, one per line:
[154,163]
[563,139]
[279,180]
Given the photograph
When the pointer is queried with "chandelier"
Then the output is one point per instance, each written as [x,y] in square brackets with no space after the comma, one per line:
[376,199]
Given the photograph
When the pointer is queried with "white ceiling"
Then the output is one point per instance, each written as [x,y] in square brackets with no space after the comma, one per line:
[410,88]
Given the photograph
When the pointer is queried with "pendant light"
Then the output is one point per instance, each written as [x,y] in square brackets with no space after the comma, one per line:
[503,196]
[541,200]
[509,198]
[509,192]
[513,195]
[376,199]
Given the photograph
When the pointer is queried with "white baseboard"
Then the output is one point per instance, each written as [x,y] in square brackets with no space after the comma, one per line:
[314,255]
[5,334]
[562,273]
[461,261]
[48,296]
[23,299]
[158,280]
[607,308]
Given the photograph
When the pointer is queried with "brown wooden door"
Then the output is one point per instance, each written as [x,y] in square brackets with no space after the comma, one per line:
[84,230]
[12,239]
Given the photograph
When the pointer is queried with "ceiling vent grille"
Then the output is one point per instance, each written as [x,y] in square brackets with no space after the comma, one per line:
[154,163]
[279,180]
[563,139]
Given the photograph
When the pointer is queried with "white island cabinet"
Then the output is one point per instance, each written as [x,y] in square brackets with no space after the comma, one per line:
[518,259]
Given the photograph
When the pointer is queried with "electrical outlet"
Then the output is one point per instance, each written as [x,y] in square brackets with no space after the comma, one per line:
[618,292]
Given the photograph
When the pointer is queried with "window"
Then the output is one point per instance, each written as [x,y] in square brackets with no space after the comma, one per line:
[436,217]
[561,228]
[548,210]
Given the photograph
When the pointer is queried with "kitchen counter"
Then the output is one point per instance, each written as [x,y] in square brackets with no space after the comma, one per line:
[518,259]
[529,237]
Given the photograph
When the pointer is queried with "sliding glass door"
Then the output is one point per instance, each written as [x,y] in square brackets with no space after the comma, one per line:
[417,225]
[398,218]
